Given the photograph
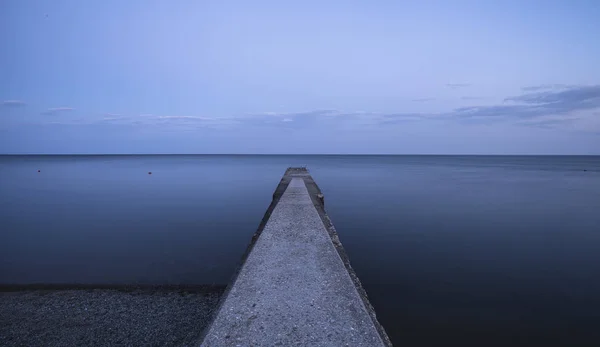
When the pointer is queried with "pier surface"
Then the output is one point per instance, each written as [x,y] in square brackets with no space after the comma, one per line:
[295,286]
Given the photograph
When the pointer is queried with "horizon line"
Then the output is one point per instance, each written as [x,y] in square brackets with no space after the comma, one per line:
[284,154]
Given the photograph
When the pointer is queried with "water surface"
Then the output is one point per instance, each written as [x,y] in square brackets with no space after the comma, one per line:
[469,250]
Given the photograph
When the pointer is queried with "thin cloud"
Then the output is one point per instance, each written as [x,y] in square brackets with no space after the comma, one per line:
[541,109]
[78,121]
[115,118]
[458,85]
[572,98]
[472,98]
[544,109]
[532,105]
[173,122]
[13,103]
[271,114]
[493,111]
[395,118]
[58,110]
[547,86]
[549,123]
[326,118]
[151,119]
[547,109]
[295,119]
[553,108]
[185,118]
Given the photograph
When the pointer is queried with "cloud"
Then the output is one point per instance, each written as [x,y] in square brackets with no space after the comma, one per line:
[13,103]
[78,121]
[317,119]
[151,121]
[546,109]
[549,123]
[299,119]
[327,118]
[581,97]
[115,118]
[532,105]
[57,110]
[287,119]
[541,109]
[395,118]
[492,111]
[458,85]
[423,99]
[546,86]
[472,98]
[271,115]
[183,118]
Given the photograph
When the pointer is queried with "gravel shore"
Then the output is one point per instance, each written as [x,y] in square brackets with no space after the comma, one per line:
[105,317]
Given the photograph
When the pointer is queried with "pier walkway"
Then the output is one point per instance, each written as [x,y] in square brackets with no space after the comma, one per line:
[295,286]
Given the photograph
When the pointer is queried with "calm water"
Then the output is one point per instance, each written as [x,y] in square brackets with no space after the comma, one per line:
[470,250]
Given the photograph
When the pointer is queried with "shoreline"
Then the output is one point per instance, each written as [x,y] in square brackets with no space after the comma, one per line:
[87,315]
[193,288]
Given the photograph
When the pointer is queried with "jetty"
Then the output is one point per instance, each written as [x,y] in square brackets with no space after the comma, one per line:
[295,285]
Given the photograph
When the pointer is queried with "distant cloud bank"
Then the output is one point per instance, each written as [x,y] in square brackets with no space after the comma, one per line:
[13,103]
[458,85]
[545,106]
[547,86]
[57,110]
[541,108]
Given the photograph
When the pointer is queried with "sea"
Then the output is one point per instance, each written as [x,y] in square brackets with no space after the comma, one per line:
[452,250]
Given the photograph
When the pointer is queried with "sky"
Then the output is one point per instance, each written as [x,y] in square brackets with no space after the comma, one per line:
[300,77]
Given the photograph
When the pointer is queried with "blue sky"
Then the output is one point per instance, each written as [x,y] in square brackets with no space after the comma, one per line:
[406,77]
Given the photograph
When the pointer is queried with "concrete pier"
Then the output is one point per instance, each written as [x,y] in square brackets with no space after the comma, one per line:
[295,286]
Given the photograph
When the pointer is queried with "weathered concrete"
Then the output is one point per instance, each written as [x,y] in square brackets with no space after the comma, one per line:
[296,287]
